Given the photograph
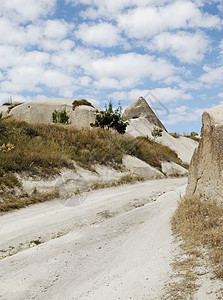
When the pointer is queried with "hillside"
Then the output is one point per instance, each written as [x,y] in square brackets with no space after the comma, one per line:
[41,152]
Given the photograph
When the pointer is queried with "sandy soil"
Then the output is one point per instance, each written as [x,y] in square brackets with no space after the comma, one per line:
[112,244]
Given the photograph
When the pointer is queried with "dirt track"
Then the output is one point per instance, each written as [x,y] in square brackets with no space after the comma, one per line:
[116,244]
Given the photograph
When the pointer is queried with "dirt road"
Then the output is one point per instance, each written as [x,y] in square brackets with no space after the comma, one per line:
[114,243]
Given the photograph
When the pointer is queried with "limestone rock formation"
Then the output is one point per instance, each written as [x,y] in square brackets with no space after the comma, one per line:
[173,169]
[206,168]
[184,147]
[40,111]
[141,109]
[140,168]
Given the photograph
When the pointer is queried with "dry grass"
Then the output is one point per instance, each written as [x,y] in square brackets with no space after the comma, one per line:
[77,103]
[199,226]
[175,135]
[154,153]
[14,104]
[200,222]
[122,180]
[43,149]
[13,202]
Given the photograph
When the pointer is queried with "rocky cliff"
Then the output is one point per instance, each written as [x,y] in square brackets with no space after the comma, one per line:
[206,168]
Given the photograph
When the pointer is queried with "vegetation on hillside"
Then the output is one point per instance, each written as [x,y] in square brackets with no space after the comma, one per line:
[60,117]
[77,103]
[198,224]
[43,149]
[110,119]
[193,135]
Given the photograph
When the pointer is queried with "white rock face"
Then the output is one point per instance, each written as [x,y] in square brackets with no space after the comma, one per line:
[141,109]
[40,111]
[173,169]
[4,110]
[141,168]
[206,168]
[184,147]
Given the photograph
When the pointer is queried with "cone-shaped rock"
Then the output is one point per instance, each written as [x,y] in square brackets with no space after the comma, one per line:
[141,109]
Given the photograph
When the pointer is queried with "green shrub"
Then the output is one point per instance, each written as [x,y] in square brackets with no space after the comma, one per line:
[60,117]
[156,132]
[110,119]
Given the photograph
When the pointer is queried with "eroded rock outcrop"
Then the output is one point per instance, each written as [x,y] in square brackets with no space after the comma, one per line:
[206,168]
[141,109]
[40,111]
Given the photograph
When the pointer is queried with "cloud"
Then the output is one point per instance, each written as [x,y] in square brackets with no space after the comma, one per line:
[164,95]
[110,9]
[101,35]
[144,22]
[183,114]
[22,11]
[212,75]
[186,47]
[128,69]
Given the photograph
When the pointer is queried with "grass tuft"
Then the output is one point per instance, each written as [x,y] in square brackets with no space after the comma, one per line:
[199,224]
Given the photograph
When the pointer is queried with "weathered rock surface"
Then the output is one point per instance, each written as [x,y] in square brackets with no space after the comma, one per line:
[141,109]
[173,169]
[206,168]
[184,147]
[140,168]
[40,111]
[4,110]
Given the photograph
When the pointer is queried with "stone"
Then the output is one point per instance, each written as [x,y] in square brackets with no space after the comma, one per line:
[173,169]
[141,109]
[140,168]
[206,168]
[40,111]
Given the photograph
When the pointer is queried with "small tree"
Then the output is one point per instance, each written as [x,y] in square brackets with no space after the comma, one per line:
[157,132]
[60,117]
[110,119]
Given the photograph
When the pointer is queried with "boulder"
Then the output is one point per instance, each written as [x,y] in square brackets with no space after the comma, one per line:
[140,168]
[206,168]
[173,169]
[4,110]
[141,109]
[40,111]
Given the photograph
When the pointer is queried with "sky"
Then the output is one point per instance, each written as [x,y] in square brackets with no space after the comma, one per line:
[170,52]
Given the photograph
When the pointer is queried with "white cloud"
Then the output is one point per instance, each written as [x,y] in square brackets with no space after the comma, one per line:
[4,97]
[102,34]
[191,85]
[212,75]
[186,47]
[164,95]
[183,114]
[56,29]
[108,8]
[144,22]
[11,33]
[21,11]
[220,95]
[128,69]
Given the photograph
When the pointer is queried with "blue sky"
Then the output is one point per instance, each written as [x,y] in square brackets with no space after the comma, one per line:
[115,50]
